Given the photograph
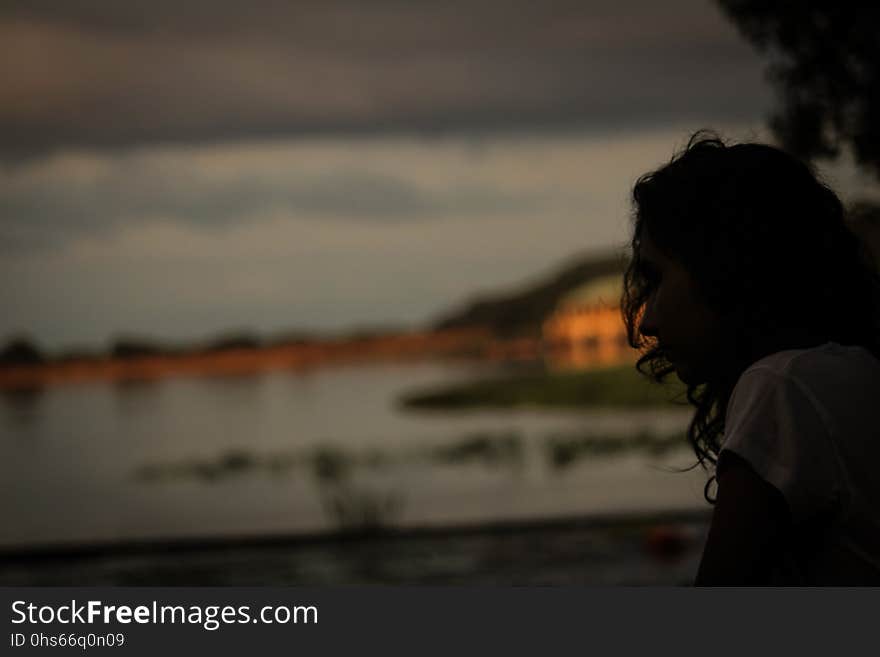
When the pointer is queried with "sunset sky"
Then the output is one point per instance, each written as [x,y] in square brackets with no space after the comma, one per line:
[175,170]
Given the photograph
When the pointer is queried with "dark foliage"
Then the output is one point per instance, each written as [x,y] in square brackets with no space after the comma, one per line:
[824,62]
[20,351]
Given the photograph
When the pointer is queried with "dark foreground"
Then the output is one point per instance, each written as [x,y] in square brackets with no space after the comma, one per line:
[620,550]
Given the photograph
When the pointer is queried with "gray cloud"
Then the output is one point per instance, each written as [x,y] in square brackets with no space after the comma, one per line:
[105,74]
[42,210]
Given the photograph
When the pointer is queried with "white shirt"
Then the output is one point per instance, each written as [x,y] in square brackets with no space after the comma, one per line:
[808,422]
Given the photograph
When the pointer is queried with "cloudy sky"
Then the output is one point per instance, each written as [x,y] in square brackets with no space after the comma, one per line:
[179,169]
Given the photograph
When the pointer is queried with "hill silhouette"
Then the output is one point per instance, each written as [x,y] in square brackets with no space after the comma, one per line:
[521,312]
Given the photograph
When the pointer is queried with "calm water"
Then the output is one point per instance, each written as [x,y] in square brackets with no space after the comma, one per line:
[286,452]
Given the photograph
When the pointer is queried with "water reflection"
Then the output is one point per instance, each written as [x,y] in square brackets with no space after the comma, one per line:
[352,506]
[283,452]
[489,449]
[331,464]
[230,463]
[137,397]
[242,389]
[564,451]
[22,406]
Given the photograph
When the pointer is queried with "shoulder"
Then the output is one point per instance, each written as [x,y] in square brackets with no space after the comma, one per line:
[809,365]
[825,382]
[782,384]
[781,419]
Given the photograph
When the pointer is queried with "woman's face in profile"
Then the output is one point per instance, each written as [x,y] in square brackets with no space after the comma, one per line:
[688,331]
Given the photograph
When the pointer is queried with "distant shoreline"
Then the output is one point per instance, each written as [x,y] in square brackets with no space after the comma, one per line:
[477,343]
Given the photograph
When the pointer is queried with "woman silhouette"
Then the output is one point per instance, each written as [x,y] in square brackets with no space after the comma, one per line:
[745,281]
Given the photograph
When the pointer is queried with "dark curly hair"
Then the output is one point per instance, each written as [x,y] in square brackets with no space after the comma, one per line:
[767,246]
